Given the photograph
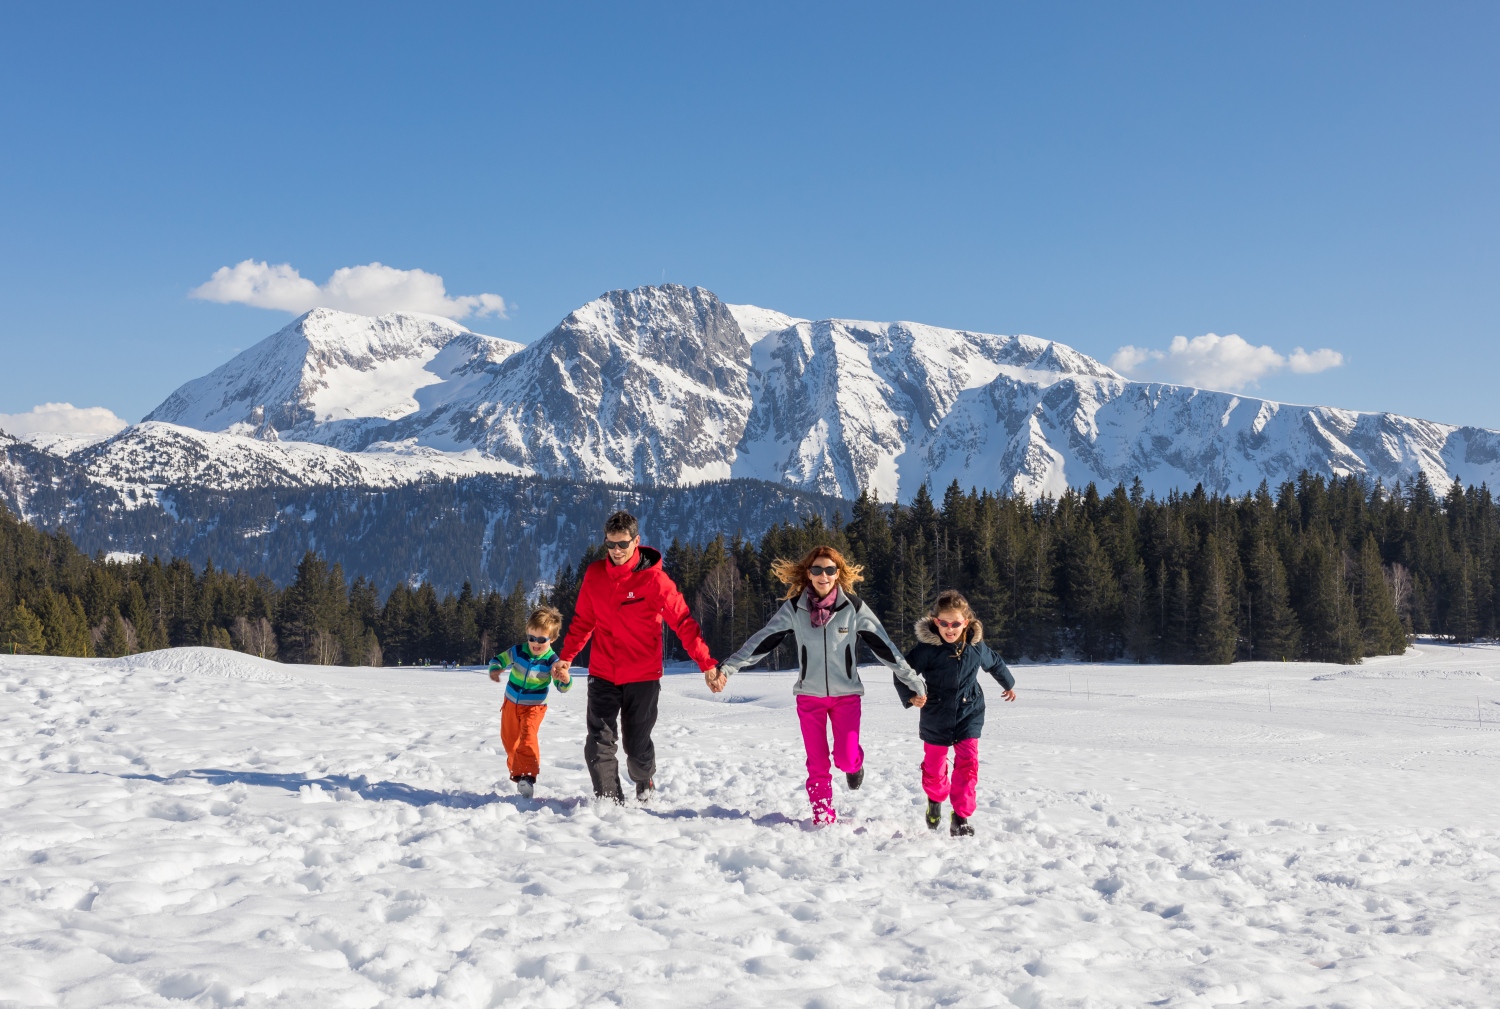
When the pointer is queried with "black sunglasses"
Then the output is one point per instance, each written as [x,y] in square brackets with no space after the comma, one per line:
[618,544]
[817,570]
[536,640]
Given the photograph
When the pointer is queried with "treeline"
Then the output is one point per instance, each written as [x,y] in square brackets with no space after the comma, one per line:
[1323,570]
[57,600]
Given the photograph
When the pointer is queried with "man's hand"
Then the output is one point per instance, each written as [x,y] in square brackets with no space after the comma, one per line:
[716,679]
[1009,695]
[564,677]
[919,700]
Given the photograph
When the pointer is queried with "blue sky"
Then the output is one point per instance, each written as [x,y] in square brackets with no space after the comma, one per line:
[1302,175]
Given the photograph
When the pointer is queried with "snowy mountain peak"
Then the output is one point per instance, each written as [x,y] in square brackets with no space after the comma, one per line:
[328,371]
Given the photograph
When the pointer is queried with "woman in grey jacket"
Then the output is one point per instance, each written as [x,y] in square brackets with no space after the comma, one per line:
[828,622]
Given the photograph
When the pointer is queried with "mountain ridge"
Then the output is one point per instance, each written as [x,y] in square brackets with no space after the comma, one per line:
[668,386]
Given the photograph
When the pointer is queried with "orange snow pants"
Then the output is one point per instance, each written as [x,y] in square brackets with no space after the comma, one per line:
[518,728]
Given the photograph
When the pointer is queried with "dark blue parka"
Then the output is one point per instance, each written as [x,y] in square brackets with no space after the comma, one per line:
[955,704]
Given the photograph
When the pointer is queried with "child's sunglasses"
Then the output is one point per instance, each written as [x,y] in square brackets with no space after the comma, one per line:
[536,640]
[817,569]
[952,625]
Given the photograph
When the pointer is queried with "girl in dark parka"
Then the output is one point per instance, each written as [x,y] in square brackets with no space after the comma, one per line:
[949,655]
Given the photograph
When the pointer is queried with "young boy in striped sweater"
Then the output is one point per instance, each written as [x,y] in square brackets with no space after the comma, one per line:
[528,669]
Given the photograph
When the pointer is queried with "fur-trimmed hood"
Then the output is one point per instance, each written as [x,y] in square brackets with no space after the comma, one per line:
[927,632]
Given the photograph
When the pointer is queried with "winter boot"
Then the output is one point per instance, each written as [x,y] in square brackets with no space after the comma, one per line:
[934,814]
[855,779]
[526,785]
[959,826]
[644,790]
[824,813]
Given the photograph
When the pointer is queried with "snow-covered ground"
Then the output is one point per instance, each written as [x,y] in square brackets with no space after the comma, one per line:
[197,827]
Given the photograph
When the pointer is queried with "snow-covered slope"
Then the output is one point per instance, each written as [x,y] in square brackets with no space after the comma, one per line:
[669,386]
[197,827]
[151,455]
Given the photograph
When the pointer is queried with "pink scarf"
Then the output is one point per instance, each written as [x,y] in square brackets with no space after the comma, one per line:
[821,610]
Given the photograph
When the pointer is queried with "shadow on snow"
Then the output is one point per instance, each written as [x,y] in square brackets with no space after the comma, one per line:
[395,791]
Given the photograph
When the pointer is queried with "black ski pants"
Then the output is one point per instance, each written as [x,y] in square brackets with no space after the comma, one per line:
[620,711]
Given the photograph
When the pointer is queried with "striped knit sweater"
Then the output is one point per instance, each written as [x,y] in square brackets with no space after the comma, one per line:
[529,676]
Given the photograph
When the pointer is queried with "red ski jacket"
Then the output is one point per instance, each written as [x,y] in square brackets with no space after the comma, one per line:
[622,608]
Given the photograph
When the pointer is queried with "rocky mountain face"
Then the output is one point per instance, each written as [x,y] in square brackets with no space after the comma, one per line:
[636,387]
[644,395]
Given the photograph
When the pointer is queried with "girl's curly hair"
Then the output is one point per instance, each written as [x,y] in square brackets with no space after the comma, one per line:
[793,574]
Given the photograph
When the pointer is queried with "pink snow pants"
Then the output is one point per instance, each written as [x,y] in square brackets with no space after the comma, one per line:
[965,782]
[815,714]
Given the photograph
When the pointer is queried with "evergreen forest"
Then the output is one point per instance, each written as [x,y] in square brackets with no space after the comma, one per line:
[1325,570]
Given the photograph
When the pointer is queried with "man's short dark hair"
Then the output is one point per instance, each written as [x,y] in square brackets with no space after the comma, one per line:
[622,522]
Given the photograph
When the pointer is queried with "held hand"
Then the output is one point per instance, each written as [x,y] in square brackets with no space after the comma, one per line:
[919,700]
[716,679]
[564,677]
[1009,695]
[560,670]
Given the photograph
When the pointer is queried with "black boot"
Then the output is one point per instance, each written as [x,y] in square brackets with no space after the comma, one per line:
[855,779]
[526,785]
[934,814]
[959,826]
[643,790]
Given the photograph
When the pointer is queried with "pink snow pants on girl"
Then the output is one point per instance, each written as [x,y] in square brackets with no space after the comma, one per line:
[965,780]
[815,714]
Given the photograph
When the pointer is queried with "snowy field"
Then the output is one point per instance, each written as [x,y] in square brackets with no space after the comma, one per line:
[196,827]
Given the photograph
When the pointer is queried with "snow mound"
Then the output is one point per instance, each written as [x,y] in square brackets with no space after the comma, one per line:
[202,661]
[1401,674]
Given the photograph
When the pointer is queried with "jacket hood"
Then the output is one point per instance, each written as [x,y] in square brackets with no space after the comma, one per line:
[927,632]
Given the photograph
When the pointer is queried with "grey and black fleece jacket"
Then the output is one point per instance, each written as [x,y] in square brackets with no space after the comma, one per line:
[826,654]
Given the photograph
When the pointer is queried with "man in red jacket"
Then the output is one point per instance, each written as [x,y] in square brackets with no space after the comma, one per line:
[622,603]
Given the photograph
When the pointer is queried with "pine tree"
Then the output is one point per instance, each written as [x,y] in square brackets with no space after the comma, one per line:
[1136,628]
[1274,632]
[65,626]
[118,637]
[987,595]
[1179,631]
[1380,628]
[1463,616]
[918,589]
[1036,598]
[1216,639]
[1327,613]
[24,634]
[1092,593]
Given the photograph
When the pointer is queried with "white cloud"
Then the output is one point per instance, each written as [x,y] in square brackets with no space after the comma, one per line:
[1217,362]
[373,289]
[62,419]
[1304,363]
